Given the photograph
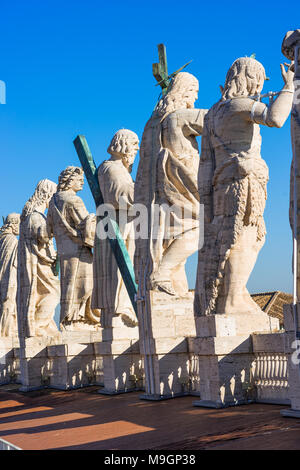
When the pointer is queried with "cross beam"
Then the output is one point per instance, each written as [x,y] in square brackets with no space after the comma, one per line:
[117,243]
[160,69]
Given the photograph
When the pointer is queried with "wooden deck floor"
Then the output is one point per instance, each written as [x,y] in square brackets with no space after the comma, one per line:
[84,419]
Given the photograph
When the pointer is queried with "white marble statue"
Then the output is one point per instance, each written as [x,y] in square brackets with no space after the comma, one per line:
[232,186]
[290,41]
[117,187]
[167,177]
[74,230]
[8,275]
[38,287]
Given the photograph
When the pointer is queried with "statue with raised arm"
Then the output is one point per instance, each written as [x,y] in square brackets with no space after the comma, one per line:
[74,230]
[233,186]
[117,187]
[8,275]
[166,184]
[38,287]
[291,49]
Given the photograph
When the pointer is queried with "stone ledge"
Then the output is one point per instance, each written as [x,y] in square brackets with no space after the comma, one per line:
[222,325]
[223,345]
[117,347]
[269,342]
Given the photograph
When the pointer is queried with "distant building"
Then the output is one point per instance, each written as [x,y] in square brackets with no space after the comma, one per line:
[272,303]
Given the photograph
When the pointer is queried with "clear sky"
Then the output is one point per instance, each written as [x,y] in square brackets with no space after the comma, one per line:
[85,67]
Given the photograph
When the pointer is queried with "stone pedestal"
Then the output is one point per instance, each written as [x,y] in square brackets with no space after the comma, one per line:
[68,362]
[9,360]
[33,360]
[166,323]
[224,348]
[122,362]
[73,365]
[292,349]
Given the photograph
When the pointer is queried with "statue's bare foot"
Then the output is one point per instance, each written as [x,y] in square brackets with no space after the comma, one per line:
[165,286]
[242,304]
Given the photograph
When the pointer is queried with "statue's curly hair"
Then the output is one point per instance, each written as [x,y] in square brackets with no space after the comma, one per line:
[67,176]
[11,219]
[174,99]
[120,143]
[245,77]
[43,193]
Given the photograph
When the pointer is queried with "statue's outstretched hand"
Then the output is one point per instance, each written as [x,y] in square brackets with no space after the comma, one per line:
[288,75]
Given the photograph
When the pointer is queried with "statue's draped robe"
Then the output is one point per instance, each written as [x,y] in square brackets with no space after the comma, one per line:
[295,133]
[38,287]
[167,174]
[109,291]
[232,186]
[74,230]
[8,282]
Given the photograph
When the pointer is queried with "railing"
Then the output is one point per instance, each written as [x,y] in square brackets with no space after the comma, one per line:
[270,377]
[4,445]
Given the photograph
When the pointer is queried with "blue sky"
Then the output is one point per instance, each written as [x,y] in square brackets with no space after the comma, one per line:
[85,67]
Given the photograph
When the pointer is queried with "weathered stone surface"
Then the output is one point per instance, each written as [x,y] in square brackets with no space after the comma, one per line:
[8,275]
[233,345]
[38,287]
[232,186]
[167,178]
[9,360]
[117,188]
[74,231]
[165,346]
[269,343]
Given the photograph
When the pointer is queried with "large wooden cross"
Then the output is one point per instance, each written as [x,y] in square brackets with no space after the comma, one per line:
[117,243]
[160,70]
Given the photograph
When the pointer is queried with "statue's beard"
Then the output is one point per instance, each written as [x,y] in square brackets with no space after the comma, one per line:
[126,162]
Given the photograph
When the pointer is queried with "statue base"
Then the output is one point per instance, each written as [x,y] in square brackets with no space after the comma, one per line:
[122,362]
[64,363]
[9,360]
[166,324]
[225,353]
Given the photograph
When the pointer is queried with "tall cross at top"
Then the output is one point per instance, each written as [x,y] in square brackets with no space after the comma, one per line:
[160,69]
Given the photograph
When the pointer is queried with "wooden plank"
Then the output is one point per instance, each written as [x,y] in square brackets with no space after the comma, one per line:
[156,72]
[160,70]
[89,168]
[162,54]
[117,244]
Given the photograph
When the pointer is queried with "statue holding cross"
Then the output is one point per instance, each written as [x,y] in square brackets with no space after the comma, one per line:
[167,177]
[166,183]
